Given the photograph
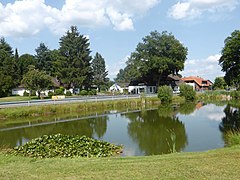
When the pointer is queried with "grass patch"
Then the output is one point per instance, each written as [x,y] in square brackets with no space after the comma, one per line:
[35,111]
[233,137]
[214,164]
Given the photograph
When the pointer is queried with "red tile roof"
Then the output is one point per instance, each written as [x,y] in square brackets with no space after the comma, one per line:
[197,80]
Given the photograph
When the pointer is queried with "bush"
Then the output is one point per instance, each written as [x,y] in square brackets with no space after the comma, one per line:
[33,93]
[233,137]
[59,91]
[235,94]
[25,93]
[50,94]
[165,93]
[187,92]
[83,93]
[68,93]
[92,92]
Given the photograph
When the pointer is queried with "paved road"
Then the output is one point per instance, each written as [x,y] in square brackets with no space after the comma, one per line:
[70,100]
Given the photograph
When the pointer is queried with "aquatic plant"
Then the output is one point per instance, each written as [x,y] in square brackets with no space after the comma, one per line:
[58,145]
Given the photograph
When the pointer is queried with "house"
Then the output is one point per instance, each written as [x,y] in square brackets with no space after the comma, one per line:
[174,81]
[19,91]
[198,83]
[140,87]
[116,88]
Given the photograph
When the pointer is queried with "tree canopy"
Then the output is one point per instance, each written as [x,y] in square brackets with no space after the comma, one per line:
[99,71]
[74,65]
[230,59]
[36,80]
[159,55]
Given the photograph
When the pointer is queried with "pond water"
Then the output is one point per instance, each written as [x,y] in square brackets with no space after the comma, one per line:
[190,127]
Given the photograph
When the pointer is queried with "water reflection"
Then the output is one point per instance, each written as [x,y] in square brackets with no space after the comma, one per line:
[188,127]
[231,121]
[158,134]
[88,127]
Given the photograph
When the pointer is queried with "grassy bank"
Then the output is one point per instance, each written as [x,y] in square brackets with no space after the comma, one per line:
[215,164]
[35,111]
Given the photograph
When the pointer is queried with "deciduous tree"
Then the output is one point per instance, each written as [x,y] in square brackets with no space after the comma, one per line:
[230,59]
[36,80]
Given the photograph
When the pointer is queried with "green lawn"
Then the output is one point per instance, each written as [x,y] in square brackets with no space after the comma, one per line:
[17,98]
[215,164]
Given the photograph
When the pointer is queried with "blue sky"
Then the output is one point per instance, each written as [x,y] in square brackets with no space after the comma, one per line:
[116,27]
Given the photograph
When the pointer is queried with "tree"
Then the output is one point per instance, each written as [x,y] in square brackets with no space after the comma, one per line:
[7,70]
[99,71]
[230,59]
[159,55]
[74,67]
[43,58]
[23,62]
[5,46]
[36,80]
[219,83]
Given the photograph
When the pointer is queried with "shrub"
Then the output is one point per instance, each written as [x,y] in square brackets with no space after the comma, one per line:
[33,93]
[83,93]
[165,93]
[92,92]
[25,93]
[235,94]
[50,94]
[187,92]
[68,93]
[59,91]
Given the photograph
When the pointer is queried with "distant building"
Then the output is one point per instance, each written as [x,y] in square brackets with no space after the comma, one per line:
[198,83]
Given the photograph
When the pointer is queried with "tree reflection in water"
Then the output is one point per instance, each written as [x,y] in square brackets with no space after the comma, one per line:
[231,121]
[157,134]
[87,127]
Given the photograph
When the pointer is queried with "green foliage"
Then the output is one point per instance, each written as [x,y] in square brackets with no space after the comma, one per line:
[43,59]
[83,92]
[59,91]
[25,93]
[99,71]
[219,83]
[68,93]
[159,55]
[50,94]
[73,66]
[8,71]
[36,80]
[230,59]
[187,92]
[232,137]
[49,146]
[235,94]
[92,92]
[165,93]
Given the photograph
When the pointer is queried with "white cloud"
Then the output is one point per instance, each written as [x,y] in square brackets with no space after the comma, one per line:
[113,69]
[207,68]
[29,17]
[190,9]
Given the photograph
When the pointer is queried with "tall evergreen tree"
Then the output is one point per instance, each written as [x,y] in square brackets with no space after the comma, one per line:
[99,71]
[43,58]
[7,69]
[74,65]
[5,46]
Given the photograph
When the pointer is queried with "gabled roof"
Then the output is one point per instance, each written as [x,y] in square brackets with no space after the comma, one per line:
[198,80]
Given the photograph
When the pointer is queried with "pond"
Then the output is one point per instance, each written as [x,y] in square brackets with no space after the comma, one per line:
[189,127]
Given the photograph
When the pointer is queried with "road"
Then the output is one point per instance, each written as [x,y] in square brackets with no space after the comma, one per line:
[70,100]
